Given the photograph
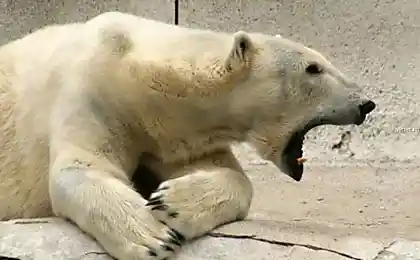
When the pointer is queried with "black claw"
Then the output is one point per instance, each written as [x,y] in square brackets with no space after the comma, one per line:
[174,241]
[180,236]
[152,253]
[175,235]
[173,238]
[163,222]
[155,201]
[173,214]
[162,188]
[167,248]
[160,207]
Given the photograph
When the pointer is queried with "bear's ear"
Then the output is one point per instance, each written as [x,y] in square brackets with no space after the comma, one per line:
[241,52]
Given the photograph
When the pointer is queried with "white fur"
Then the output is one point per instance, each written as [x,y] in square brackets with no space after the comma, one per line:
[82,103]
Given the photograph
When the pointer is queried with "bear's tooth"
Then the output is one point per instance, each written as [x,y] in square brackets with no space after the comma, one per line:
[301,160]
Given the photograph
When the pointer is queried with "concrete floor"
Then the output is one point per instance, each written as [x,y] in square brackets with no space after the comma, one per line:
[368,189]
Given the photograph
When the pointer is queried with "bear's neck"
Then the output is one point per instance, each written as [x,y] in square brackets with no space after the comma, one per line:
[183,130]
[186,113]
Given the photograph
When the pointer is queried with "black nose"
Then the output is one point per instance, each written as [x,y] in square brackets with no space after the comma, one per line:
[367,107]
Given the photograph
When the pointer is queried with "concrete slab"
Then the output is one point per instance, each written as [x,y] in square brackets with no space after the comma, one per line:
[52,238]
[400,250]
[377,199]
[342,213]
[47,239]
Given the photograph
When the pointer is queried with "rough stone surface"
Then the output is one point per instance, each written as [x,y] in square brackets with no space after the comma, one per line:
[400,250]
[52,238]
[47,239]
[354,212]
[361,199]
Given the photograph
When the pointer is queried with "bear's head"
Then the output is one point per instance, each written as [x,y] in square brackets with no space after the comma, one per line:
[289,89]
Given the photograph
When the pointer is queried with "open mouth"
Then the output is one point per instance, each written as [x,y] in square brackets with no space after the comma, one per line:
[292,157]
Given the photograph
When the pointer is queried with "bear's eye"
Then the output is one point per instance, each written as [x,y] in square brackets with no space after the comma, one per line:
[313,69]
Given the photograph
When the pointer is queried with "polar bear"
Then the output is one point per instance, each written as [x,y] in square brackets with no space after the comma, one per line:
[84,104]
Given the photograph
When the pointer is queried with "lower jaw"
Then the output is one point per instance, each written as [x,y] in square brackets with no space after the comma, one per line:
[267,151]
[261,145]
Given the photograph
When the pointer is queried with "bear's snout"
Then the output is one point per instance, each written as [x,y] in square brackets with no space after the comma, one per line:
[366,107]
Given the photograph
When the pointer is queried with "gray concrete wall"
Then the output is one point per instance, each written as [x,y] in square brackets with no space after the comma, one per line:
[375,42]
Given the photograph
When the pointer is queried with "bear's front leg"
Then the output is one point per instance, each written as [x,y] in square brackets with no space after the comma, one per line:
[212,192]
[94,195]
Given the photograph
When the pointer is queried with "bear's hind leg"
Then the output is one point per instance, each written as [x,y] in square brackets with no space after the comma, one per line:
[211,192]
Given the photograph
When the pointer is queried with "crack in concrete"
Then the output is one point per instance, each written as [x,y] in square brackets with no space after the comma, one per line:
[385,254]
[95,253]
[29,221]
[282,243]
[85,254]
